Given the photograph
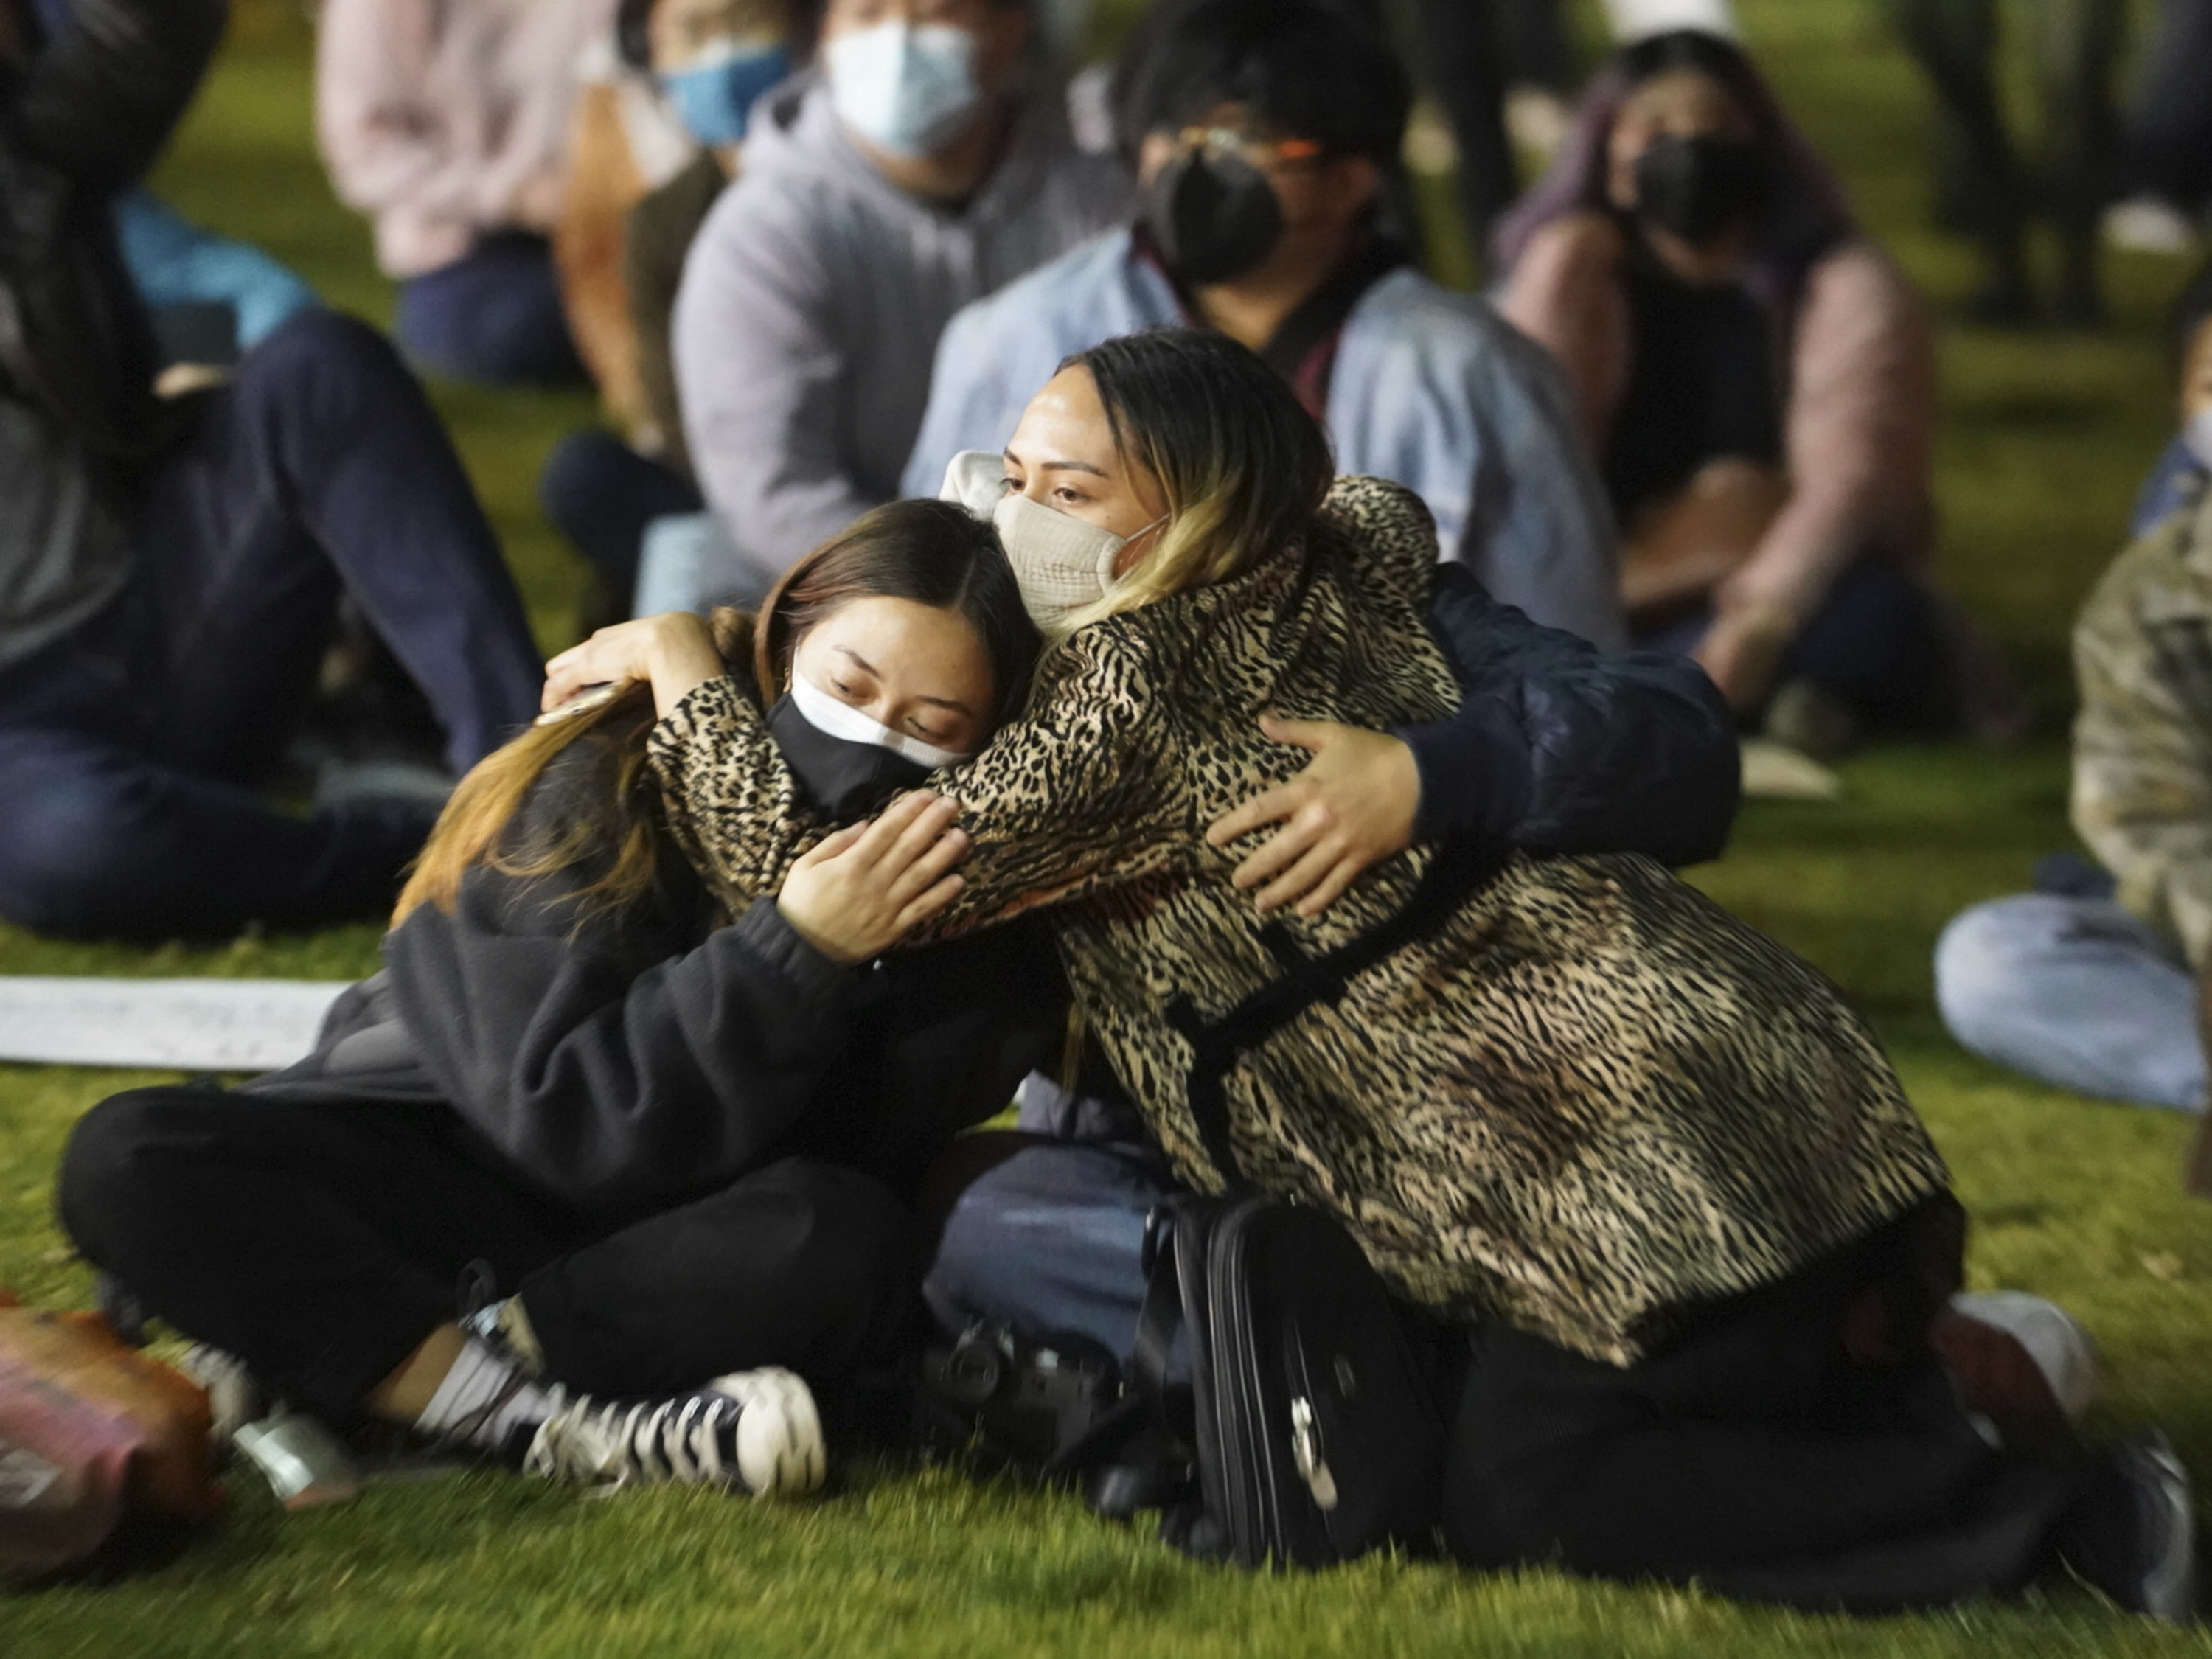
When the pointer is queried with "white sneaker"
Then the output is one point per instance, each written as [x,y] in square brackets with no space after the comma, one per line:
[2149,224]
[235,1397]
[756,1431]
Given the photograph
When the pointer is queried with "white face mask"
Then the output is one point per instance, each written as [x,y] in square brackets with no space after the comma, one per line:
[905,88]
[836,718]
[2196,435]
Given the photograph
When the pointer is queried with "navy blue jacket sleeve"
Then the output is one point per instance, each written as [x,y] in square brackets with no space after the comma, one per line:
[1558,747]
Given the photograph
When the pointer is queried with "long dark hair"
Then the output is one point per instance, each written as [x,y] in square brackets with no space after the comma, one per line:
[930,552]
[1805,217]
[1717,58]
[1243,465]
[933,553]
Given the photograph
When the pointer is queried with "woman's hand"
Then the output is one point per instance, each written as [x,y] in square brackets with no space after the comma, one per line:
[1352,806]
[863,890]
[674,651]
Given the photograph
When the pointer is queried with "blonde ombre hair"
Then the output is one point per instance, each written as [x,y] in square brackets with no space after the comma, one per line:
[1243,466]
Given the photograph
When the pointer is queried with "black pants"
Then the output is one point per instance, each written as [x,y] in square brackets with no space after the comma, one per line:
[1986,190]
[2167,145]
[1752,1453]
[321,1243]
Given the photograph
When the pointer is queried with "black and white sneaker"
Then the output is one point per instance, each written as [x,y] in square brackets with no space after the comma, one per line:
[753,1432]
[2133,1532]
[235,1396]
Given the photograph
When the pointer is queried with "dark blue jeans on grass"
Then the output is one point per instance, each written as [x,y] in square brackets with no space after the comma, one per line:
[493,316]
[130,750]
[601,494]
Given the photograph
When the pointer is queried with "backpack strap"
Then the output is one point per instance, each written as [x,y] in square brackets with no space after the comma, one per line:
[1459,870]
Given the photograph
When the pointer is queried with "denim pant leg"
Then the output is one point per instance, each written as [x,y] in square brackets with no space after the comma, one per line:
[322,465]
[2076,993]
[687,562]
[601,495]
[493,316]
[1051,1242]
[100,838]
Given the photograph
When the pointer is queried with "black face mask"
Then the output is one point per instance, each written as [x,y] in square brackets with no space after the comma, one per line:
[1701,187]
[844,779]
[1214,216]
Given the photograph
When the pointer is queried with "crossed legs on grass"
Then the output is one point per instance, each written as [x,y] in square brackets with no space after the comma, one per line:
[2074,992]
[321,1242]
[130,751]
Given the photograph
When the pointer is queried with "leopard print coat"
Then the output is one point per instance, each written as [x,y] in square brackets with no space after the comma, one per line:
[1587,1098]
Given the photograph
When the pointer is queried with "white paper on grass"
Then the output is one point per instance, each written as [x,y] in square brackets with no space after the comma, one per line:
[188,1025]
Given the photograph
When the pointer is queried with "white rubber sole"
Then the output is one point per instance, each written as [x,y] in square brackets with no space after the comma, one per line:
[781,1450]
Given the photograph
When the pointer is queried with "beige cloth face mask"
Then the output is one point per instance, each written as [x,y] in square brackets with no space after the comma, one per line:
[1062,565]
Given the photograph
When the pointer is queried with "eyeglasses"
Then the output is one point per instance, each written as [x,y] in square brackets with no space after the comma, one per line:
[1261,152]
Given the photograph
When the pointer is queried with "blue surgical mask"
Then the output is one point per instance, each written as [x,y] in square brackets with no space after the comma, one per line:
[905,88]
[714,94]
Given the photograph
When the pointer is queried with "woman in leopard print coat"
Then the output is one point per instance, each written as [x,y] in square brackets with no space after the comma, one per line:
[1586,1109]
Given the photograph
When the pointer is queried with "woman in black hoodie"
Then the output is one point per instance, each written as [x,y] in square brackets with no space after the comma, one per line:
[681,1142]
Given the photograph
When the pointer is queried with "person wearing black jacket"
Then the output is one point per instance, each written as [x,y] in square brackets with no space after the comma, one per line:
[679,1143]
[170,567]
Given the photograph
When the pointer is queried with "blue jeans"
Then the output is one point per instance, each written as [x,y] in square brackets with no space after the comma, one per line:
[2075,991]
[602,495]
[687,562]
[1874,643]
[2166,487]
[129,749]
[1050,1242]
[493,316]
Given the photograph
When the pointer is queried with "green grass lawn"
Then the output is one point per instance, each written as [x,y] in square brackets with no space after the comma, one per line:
[2043,440]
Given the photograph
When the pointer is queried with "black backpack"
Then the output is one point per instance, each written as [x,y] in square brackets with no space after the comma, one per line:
[1311,1429]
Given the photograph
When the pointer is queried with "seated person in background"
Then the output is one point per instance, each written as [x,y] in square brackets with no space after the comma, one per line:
[447,121]
[713,60]
[2090,984]
[2181,466]
[1264,129]
[677,1142]
[170,570]
[625,140]
[1756,379]
[907,177]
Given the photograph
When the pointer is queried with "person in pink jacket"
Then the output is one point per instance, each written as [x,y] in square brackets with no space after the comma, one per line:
[447,121]
[1756,379]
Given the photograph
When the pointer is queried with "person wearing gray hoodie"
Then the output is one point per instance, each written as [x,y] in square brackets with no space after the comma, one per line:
[907,176]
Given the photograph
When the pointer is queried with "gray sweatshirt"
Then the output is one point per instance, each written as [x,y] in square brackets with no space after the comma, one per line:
[812,299]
